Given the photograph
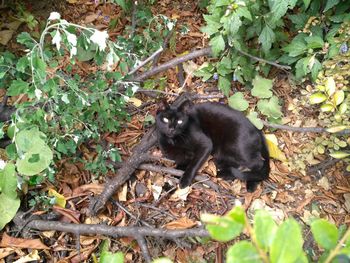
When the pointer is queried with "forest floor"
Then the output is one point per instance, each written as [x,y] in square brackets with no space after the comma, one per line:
[320,190]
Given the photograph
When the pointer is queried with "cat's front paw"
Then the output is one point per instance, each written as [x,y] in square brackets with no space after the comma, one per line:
[184,182]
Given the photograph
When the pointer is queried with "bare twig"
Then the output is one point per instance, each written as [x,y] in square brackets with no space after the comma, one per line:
[144,249]
[133,17]
[303,129]
[172,63]
[284,67]
[146,61]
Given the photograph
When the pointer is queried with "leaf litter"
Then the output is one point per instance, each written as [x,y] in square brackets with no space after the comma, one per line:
[288,192]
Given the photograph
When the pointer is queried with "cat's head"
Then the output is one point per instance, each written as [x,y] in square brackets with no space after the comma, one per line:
[172,121]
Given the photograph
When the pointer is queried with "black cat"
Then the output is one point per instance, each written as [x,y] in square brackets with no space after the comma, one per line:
[189,133]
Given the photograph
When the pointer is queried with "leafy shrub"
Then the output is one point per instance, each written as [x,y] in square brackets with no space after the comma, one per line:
[56,110]
[270,242]
[246,35]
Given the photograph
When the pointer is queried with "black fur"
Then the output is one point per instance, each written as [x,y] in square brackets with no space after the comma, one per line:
[238,147]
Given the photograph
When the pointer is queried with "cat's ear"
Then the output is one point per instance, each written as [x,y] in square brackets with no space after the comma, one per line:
[185,106]
[163,106]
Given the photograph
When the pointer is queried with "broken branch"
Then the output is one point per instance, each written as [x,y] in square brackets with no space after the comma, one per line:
[303,129]
[172,63]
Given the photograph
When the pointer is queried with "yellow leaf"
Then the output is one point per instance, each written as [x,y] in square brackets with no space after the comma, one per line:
[337,128]
[60,199]
[272,145]
[330,86]
[135,101]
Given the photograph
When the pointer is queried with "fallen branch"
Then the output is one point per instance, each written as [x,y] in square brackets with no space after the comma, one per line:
[303,129]
[124,173]
[172,63]
[284,67]
[139,233]
[146,61]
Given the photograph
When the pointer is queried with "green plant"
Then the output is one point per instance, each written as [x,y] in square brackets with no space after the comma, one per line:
[332,94]
[245,35]
[269,242]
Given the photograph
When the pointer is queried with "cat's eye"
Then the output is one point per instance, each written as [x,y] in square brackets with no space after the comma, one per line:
[179,122]
[165,120]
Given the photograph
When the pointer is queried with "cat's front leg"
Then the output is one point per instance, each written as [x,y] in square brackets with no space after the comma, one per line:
[203,147]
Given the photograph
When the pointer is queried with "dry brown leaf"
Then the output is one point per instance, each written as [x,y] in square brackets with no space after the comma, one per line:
[324,183]
[91,18]
[32,256]
[347,202]
[180,194]
[71,216]
[8,241]
[122,193]
[182,223]
[4,252]
[93,188]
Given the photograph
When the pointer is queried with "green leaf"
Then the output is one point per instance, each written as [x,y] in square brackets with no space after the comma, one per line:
[224,85]
[318,97]
[237,102]
[25,39]
[8,209]
[270,108]
[22,64]
[306,3]
[17,87]
[316,69]
[40,68]
[278,9]
[266,38]
[36,156]
[107,256]
[296,47]
[264,228]
[301,68]
[224,67]
[205,72]
[244,11]
[253,117]
[339,154]
[237,214]
[35,161]
[338,97]
[9,202]
[217,44]
[243,252]
[223,228]
[327,107]
[325,233]
[330,86]
[85,55]
[330,4]
[125,5]
[287,246]
[262,87]
[211,28]
[302,259]
[222,3]
[8,181]
[231,23]
[314,42]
